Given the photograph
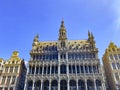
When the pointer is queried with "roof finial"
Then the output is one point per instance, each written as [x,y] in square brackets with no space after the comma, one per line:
[62,23]
[88,33]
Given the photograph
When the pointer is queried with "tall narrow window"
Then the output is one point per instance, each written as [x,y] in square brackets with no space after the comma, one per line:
[16,69]
[111,56]
[115,56]
[11,69]
[6,69]
[8,80]
[13,80]
[119,56]
[3,80]
[113,66]
[63,69]
[117,76]
[118,65]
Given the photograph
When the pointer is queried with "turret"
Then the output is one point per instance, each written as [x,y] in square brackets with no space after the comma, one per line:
[35,40]
[91,39]
[62,35]
[62,32]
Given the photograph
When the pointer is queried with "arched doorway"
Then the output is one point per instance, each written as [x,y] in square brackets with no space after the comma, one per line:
[30,84]
[72,85]
[54,85]
[98,84]
[90,85]
[63,85]
[81,85]
[37,85]
[46,85]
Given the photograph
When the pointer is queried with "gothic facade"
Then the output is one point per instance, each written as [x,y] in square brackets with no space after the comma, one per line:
[13,73]
[111,62]
[64,64]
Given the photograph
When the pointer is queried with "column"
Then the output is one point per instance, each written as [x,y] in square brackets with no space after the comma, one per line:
[46,69]
[85,84]
[43,69]
[59,84]
[84,69]
[25,87]
[50,68]
[68,86]
[79,67]
[49,84]
[33,85]
[77,84]
[35,70]
[67,64]
[39,69]
[75,69]
[88,69]
[41,85]
[95,84]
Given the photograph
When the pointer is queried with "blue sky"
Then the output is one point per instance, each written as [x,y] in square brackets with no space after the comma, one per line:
[21,20]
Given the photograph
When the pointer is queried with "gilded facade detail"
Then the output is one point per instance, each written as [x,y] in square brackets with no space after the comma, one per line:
[111,61]
[13,74]
[64,64]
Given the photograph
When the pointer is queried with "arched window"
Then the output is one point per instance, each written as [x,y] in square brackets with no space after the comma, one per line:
[30,84]
[90,85]
[73,85]
[46,85]
[54,85]
[37,85]
[98,84]
[63,85]
[81,85]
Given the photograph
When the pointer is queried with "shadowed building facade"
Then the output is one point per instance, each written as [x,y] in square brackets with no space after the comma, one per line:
[64,64]
[13,74]
[111,62]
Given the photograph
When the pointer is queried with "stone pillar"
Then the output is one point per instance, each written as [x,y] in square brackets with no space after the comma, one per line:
[25,87]
[77,84]
[35,70]
[39,69]
[50,85]
[75,69]
[68,86]
[33,85]
[95,84]
[85,84]
[41,85]
[79,68]
[50,68]
[59,84]
[43,69]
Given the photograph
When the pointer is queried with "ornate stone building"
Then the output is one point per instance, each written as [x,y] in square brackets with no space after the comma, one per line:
[111,61]
[13,74]
[1,65]
[64,64]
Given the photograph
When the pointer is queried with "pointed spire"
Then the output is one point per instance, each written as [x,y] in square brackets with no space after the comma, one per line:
[92,36]
[36,40]
[62,31]
[89,34]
